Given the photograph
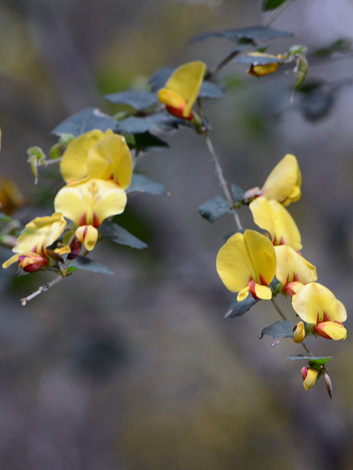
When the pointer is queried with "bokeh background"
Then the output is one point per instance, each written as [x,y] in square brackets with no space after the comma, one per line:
[139,371]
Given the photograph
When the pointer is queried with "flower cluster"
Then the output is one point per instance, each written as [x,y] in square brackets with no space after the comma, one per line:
[249,262]
[97,168]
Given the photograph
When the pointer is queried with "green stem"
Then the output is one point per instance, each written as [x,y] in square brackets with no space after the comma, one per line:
[276,13]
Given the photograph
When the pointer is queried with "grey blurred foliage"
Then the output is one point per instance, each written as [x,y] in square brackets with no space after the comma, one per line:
[139,371]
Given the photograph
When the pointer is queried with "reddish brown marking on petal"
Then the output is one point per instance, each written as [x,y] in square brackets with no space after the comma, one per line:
[178,112]
[96,222]
[252,289]
[326,317]
[83,219]
[262,280]
[317,329]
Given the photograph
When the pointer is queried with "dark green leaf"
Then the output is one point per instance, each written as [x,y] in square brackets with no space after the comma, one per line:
[254,33]
[140,125]
[257,60]
[145,142]
[238,193]
[272,4]
[119,235]
[139,100]
[214,208]
[84,121]
[87,264]
[319,360]
[210,90]
[236,309]
[280,329]
[142,184]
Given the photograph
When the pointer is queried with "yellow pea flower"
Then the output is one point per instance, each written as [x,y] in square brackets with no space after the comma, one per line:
[317,305]
[87,203]
[10,196]
[284,181]
[282,184]
[182,88]
[309,375]
[247,263]
[31,246]
[263,69]
[271,216]
[98,155]
[293,271]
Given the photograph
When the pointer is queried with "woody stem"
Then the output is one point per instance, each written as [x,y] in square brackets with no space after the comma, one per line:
[222,182]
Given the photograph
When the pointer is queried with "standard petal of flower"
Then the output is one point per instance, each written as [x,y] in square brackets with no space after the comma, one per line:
[262,255]
[110,158]
[91,201]
[292,267]
[71,202]
[186,81]
[271,216]
[111,202]
[233,264]
[73,165]
[331,330]
[284,182]
[314,303]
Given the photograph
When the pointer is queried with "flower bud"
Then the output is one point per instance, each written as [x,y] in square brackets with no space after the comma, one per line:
[299,332]
[328,384]
[309,375]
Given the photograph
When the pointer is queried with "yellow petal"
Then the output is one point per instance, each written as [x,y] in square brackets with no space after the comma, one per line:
[310,378]
[186,81]
[90,201]
[40,233]
[88,235]
[331,330]
[171,98]
[271,216]
[73,165]
[284,182]
[314,303]
[10,261]
[242,295]
[262,255]
[263,292]
[110,158]
[233,264]
[292,267]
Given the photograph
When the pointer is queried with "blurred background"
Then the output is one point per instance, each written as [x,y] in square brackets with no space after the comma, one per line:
[139,371]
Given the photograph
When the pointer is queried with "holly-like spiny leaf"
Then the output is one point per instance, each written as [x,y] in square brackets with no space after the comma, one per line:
[140,125]
[280,329]
[214,209]
[236,309]
[312,360]
[258,59]
[138,99]
[85,121]
[119,235]
[88,264]
[142,184]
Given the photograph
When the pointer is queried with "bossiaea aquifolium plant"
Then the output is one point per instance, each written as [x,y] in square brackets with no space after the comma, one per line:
[97,156]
